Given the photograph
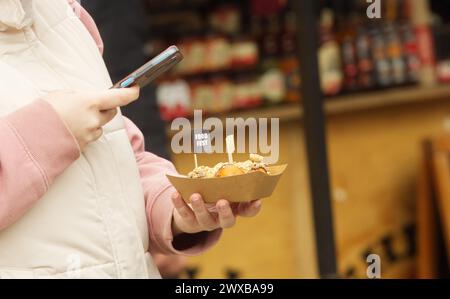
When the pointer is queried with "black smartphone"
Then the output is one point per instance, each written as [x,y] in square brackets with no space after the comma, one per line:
[152,69]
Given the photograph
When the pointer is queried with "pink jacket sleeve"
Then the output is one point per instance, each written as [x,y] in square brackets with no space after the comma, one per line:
[35,148]
[159,207]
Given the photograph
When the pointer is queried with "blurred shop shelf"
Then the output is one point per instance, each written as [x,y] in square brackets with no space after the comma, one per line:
[387,98]
[348,103]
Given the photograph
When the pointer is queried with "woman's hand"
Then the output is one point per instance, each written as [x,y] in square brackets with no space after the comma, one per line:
[196,217]
[85,113]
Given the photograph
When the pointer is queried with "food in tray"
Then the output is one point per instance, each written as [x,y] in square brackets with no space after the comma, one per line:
[254,164]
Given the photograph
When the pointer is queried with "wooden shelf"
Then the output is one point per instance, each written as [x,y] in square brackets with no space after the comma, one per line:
[387,98]
[349,103]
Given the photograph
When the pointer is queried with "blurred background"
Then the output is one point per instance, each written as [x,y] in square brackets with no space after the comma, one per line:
[386,97]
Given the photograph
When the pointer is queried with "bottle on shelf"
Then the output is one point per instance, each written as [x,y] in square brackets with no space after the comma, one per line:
[366,79]
[270,42]
[395,54]
[329,56]
[346,37]
[289,34]
[421,18]
[410,47]
[409,40]
[382,64]
[289,63]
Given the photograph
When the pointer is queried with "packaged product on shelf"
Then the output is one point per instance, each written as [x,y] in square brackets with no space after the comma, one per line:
[255,94]
[198,54]
[270,42]
[426,54]
[366,78]
[289,34]
[411,52]
[441,37]
[202,95]
[291,70]
[350,67]
[422,25]
[218,53]
[244,52]
[382,64]
[226,19]
[247,92]
[346,36]
[272,86]
[174,99]
[194,51]
[223,94]
[395,54]
[443,71]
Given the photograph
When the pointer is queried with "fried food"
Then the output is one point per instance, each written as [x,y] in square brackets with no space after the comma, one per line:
[229,170]
[255,163]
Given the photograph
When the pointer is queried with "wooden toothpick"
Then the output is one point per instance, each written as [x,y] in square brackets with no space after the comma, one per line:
[230,148]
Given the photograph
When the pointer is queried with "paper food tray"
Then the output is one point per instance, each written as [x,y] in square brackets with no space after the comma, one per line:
[240,188]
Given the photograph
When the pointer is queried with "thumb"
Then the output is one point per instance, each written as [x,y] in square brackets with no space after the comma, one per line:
[113,98]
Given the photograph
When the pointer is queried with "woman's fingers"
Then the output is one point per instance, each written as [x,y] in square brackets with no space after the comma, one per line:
[227,219]
[96,134]
[184,210]
[107,115]
[86,112]
[249,209]
[206,220]
[116,97]
[196,217]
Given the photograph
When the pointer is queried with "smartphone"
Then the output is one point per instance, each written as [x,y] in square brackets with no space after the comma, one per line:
[152,69]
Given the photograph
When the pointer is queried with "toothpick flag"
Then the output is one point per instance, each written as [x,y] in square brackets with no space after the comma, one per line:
[201,143]
[231,148]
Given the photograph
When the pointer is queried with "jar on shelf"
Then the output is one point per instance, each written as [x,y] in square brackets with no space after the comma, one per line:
[272,86]
[244,52]
[173,99]
[247,93]
[226,19]
[194,51]
[218,53]
[289,65]
[202,93]
[223,94]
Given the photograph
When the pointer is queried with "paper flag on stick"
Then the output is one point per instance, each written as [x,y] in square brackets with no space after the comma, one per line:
[230,148]
[201,142]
